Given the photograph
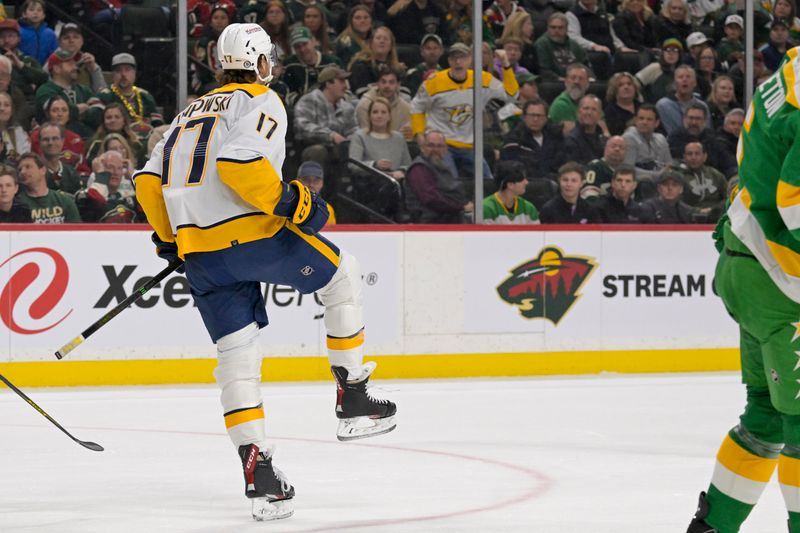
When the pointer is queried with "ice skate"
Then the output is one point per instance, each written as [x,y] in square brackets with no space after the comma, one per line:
[360,415]
[266,486]
[698,525]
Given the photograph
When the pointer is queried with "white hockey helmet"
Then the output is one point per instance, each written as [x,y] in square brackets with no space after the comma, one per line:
[241,45]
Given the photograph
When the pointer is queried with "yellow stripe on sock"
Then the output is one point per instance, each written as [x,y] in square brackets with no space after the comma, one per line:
[240,417]
[346,344]
[745,464]
[789,471]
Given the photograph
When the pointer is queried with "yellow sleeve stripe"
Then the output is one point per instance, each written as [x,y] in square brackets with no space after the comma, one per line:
[254,180]
[417,123]
[743,463]
[315,243]
[509,81]
[348,343]
[790,77]
[150,197]
[788,260]
[787,195]
[243,416]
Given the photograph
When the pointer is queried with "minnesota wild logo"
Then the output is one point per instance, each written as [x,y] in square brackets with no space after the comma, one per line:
[546,287]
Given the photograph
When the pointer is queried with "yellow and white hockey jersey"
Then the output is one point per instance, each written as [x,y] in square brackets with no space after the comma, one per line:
[215,178]
[445,105]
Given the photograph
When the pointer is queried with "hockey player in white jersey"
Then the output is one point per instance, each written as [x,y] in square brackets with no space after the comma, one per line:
[212,190]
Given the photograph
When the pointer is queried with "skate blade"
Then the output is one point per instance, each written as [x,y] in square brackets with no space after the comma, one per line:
[362,427]
[264,510]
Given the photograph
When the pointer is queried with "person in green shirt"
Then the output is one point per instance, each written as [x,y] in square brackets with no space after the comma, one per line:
[507,206]
[61,176]
[47,206]
[139,104]
[564,109]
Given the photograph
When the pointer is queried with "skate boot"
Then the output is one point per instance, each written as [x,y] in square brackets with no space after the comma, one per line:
[698,525]
[266,486]
[360,415]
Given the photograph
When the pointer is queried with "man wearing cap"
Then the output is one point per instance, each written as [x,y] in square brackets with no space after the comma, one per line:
[777,45]
[507,206]
[85,108]
[411,20]
[444,103]
[388,86]
[138,103]
[301,70]
[696,42]
[555,50]
[431,50]
[732,43]
[323,119]
[667,207]
[312,176]
[70,38]
[27,74]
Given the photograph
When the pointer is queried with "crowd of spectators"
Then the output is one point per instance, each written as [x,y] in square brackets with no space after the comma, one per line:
[595,111]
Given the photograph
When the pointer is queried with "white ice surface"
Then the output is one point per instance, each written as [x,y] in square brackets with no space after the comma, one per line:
[597,454]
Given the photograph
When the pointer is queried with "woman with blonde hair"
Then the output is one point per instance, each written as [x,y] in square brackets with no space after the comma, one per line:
[276,24]
[355,36]
[623,97]
[116,120]
[365,65]
[314,20]
[634,25]
[520,26]
[673,22]
[383,148]
[721,100]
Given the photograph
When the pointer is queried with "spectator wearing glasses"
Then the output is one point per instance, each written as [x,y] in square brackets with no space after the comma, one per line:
[535,142]
[656,78]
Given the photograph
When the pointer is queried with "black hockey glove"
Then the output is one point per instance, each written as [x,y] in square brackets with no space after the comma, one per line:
[166,250]
[311,212]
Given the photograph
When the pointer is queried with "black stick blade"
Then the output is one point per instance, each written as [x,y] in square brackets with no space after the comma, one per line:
[91,445]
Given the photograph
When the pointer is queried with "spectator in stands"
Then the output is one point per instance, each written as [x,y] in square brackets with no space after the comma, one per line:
[645,149]
[13,138]
[564,109]
[535,142]
[633,25]
[513,49]
[356,35]
[57,111]
[47,206]
[109,196]
[201,14]
[205,50]
[778,44]
[600,171]
[433,193]
[23,113]
[510,114]
[520,26]
[85,106]
[707,71]
[696,42]
[760,71]
[388,87]
[365,66]
[27,73]
[731,47]
[589,26]
[723,148]
[617,205]
[459,22]
[139,104]
[431,50]
[498,14]
[667,207]
[694,129]
[276,22]
[556,51]
[12,210]
[568,207]
[301,70]
[787,11]
[115,120]
[311,174]
[314,20]
[721,100]
[506,205]
[323,119]
[379,144]
[671,108]
[673,21]
[706,187]
[656,78]
[37,39]
[411,20]
[444,102]
[70,38]
[60,176]
[623,99]
[586,140]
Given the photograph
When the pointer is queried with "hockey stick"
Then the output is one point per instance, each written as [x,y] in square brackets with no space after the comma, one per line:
[138,293]
[86,444]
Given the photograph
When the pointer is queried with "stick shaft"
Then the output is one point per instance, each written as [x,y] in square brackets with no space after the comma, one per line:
[103,320]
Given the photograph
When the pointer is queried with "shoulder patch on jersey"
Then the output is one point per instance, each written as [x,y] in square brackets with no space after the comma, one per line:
[442,82]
